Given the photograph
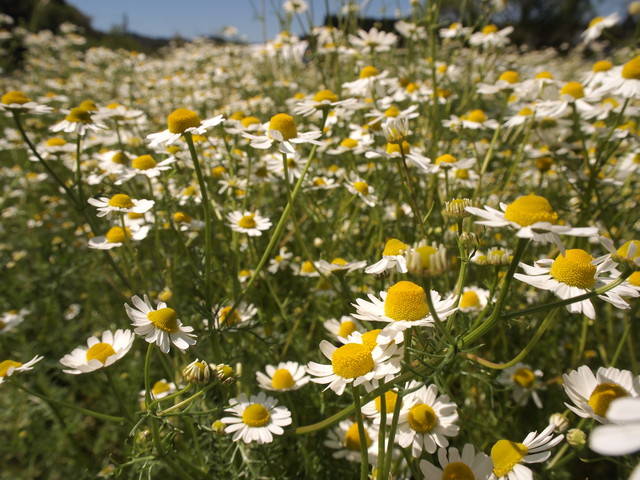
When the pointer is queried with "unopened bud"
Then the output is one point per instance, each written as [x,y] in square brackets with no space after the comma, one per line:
[560,421]
[197,372]
[224,373]
[576,438]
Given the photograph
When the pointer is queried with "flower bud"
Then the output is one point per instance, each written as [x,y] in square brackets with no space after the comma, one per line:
[576,438]
[560,421]
[224,373]
[197,372]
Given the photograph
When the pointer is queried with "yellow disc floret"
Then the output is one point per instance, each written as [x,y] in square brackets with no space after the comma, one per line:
[530,209]
[574,269]
[505,455]
[346,328]
[79,115]
[603,395]
[394,247]
[118,234]
[510,76]
[446,158]
[488,29]
[229,320]
[14,97]
[602,66]
[164,319]
[285,124]
[390,398]
[5,365]
[256,415]
[247,221]
[469,299]
[631,69]
[325,95]
[143,162]
[101,352]
[56,142]
[575,89]
[179,120]
[369,71]
[457,471]
[282,379]
[352,360]
[121,200]
[477,116]
[422,418]
[352,438]
[248,121]
[406,301]
[524,377]
[361,187]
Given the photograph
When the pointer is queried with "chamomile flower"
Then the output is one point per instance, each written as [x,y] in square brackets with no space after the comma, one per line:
[403,306]
[373,409]
[361,189]
[427,260]
[99,353]
[622,435]
[145,165]
[623,80]
[159,325]
[575,273]
[280,261]
[490,36]
[120,203]
[345,440]
[241,314]
[283,377]
[9,367]
[393,257]
[337,265]
[426,420]
[374,40]
[597,26]
[473,299]
[322,100]
[358,362]
[256,419]
[179,122]
[524,381]
[116,236]
[78,120]
[342,328]
[160,389]
[11,319]
[592,394]
[282,129]
[508,457]
[17,101]
[457,466]
[251,223]
[533,217]
[455,30]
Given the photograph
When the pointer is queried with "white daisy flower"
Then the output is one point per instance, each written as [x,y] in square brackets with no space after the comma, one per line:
[251,223]
[508,457]
[9,367]
[623,80]
[342,328]
[473,299]
[597,26]
[11,319]
[361,189]
[455,30]
[256,419]
[591,394]
[160,325]
[490,36]
[284,377]
[120,203]
[403,306]
[17,101]
[374,40]
[241,314]
[322,100]
[373,409]
[454,465]
[443,162]
[280,261]
[116,236]
[393,257]
[524,381]
[99,353]
[160,389]
[145,165]
[572,95]
[533,217]
[339,265]
[622,435]
[78,120]
[426,420]
[182,121]
[576,273]
[362,361]
[427,260]
[345,440]
[282,129]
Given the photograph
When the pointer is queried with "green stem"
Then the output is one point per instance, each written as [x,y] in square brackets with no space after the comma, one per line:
[118,395]
[364,455]
[412,194]
[147,377]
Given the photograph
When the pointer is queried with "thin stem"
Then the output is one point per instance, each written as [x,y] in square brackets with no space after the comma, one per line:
[412,194]
[364,456]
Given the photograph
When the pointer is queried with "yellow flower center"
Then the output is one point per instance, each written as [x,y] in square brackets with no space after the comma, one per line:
[530,209]
[181,217]
[602,66]
[510,76]
[117,234]
[120,158]
[595,21]
[282,379]
[395,147]
[634,279]
[143,162]
[14,96]
[422,418]
[524,377]
[352,438]
[469,299]
[339,261]
[308,267]
[575,89]
[406,301]
[361,187]
[477,116]
[574,269]
[370,338]
[323,95]
[352,360]
[247,221]
[392,112]
[181,119]
[256,415]
[164,319]
[462,173]
[488,29]
[346,328]
[284,124]
[121,200]
[248,121]
[369,71]
[349,143]
[446,158]
[160,387]
[56,142]
[505,455]
[631,69]
[603,395]
[525,112]
[544,74]
[457,471]
[426,252]
[100,351]
[88,105]
[390,398]
[234,319]
[6,365]
[394,247]
[79,115]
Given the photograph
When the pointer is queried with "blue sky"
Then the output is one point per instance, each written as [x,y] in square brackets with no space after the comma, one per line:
[166,18]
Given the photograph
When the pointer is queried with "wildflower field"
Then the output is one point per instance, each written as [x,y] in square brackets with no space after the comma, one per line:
[362,254]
